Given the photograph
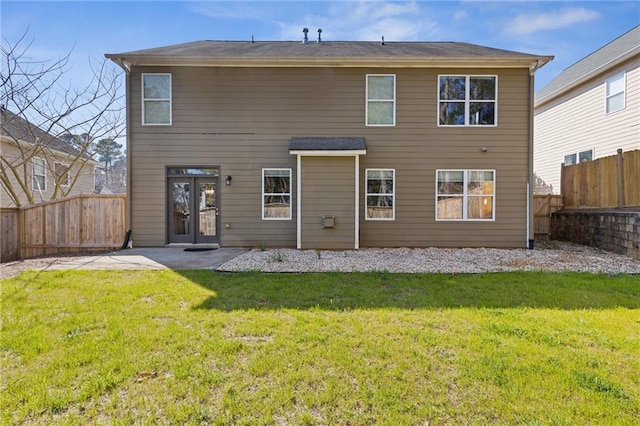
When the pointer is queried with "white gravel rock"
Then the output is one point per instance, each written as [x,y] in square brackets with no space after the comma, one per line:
[554,256]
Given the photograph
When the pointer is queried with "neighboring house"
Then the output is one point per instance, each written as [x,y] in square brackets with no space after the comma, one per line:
[590,109]
[40,160]
[330,145]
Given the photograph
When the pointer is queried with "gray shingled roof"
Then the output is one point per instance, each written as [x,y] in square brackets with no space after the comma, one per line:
[594,64]
[326,49]
[325,143]
[17,128]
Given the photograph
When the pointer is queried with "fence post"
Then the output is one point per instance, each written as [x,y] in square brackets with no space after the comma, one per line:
[620,172]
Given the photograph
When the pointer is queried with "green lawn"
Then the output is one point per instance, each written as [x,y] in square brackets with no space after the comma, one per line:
[197,347]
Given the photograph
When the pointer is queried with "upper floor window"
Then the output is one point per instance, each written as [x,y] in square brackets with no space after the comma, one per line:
[615,87]
[156,99]
[276,194]
[465,195]
[467,100]
[381,100]
[380,194]
[38,174]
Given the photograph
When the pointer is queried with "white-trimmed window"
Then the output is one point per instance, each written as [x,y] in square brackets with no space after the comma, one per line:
[381,100]
[276,194]
[467,100]
[381,188]
[38,174]
[61,171]
[615,96]
[578,157]
[465,194]
[156,99]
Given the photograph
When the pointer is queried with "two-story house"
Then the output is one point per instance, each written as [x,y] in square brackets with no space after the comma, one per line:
[589,110]
[335,145]
[37,166]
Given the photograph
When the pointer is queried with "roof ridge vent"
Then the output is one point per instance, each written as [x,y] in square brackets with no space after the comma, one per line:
[305,30]
[382,42]
[319,32]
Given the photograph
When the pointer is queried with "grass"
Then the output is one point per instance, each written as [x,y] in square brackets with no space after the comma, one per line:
[197,347]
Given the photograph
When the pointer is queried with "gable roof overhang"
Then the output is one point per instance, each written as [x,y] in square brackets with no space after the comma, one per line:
[329,54]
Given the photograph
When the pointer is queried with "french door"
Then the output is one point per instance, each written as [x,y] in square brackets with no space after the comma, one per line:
[193,208]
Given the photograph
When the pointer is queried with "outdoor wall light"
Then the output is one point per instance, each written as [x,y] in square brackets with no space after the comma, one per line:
[228,180]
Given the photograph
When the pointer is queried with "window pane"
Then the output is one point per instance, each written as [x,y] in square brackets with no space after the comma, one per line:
[480,182]
[482,88]
[615,103]
[277,185]
[380,186]
[172,171]
[482,113]
[615,85]
[157,112]
[379,207]
[380,113]
[452,88]
[452,113]
[450,182]
[570,159]
[449,207]
[480,208]
[277,206]
[181,208]
[157,87]
[276,173]
[380,87]
[585,156]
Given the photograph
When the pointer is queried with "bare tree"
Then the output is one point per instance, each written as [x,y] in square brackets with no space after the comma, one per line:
[40,116]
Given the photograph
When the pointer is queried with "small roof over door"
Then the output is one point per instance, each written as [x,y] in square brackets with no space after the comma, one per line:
[327,146]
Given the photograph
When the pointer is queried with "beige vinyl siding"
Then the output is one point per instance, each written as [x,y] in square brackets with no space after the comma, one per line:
[577,121]
[242,119]
[328,188]
[84,185]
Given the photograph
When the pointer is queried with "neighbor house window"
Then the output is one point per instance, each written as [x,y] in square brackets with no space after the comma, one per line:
[381,100]
[465,195]
[276,194]
[578,157]
[156,99]
[615,87]
[467,100]
[62,174]
[380,194]
[38,174]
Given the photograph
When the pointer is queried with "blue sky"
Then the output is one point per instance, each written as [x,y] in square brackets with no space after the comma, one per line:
[569,30]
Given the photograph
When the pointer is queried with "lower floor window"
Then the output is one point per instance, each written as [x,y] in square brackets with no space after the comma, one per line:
[579,157]
[465,195]
[276,194]
[38,174]
[380,194]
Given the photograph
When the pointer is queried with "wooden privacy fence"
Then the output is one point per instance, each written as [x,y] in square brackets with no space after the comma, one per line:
[10,238]
[75,224]
[543,206]
[608,182]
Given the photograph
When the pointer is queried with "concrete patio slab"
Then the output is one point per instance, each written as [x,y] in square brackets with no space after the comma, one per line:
[150,258]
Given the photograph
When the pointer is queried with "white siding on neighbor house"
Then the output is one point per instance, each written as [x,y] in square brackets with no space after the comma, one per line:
[84,185]
[577,121]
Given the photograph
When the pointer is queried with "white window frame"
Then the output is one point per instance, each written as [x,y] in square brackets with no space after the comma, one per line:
[467,101]
[377,194]
[66,166]
[465,196]
[145,100]
[577,154]
[608,95]
[34,185]
[290,193]
[392,101]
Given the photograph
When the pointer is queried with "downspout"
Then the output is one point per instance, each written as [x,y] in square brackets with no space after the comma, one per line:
[127,72]
[530,234]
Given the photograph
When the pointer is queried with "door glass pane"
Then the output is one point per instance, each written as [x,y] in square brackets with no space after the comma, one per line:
[207,209]
[181,212]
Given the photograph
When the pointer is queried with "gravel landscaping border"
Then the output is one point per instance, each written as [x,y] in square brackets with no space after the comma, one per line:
[549,256]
